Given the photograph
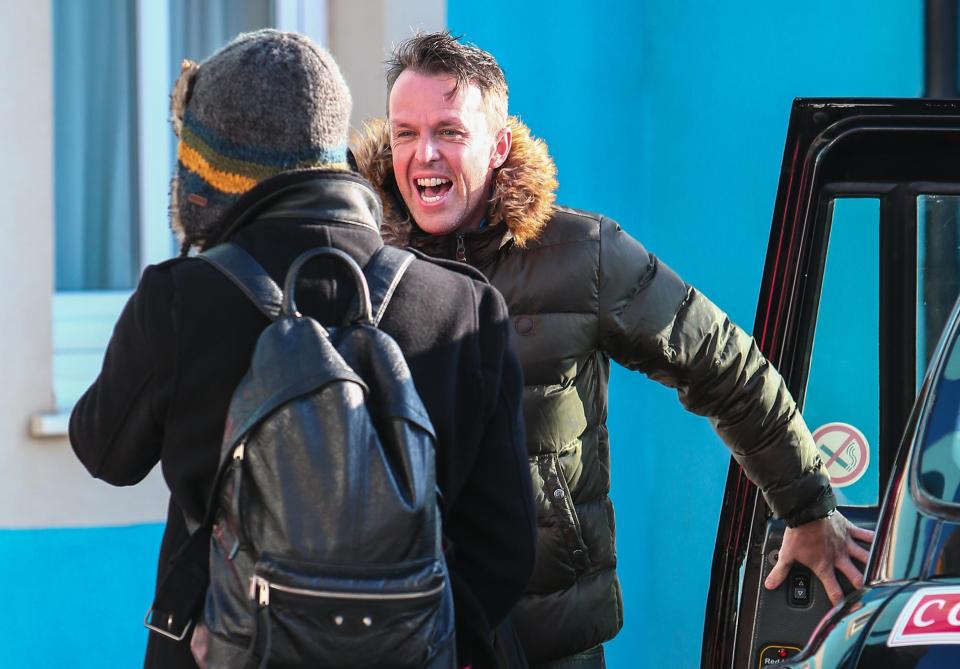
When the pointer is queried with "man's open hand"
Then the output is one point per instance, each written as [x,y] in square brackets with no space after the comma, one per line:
[824,546]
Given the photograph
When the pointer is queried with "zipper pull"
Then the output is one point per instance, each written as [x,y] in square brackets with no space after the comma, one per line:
[461,248]
[263,588]
[238,451]
[259,590]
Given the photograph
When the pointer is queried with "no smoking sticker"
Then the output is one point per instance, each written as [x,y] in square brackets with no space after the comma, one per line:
[845,452]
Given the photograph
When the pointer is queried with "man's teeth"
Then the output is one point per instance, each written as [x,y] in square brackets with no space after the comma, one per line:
[433,181]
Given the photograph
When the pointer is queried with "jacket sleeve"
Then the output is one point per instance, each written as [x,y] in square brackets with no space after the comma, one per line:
[493,526]
[653,322]
[116,428]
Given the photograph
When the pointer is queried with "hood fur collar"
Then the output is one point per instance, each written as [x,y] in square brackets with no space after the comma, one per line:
[524,188]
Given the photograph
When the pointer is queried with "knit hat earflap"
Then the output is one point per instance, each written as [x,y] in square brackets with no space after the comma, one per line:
[266,103]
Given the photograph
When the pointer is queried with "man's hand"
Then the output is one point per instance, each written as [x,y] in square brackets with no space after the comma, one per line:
[823,545]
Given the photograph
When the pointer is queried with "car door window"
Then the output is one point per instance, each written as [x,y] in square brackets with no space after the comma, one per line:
[940,459]
[938,285]
[842,405]
[938,271]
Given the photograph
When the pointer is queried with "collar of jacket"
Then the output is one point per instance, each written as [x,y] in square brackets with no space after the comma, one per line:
[524,190]
[479,246]
[313,195]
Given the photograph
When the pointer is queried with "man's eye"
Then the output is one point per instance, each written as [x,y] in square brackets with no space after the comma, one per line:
[450,132]
[400,134]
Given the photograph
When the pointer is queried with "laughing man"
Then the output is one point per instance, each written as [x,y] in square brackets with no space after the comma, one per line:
[462,180]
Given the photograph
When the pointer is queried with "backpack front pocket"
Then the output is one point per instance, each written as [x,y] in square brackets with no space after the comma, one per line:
[373,616]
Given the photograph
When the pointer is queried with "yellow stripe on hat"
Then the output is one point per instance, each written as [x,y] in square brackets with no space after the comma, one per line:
[230,182]
[227,182]
[223,163]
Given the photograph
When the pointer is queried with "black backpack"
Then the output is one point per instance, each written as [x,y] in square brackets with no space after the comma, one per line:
[325,527]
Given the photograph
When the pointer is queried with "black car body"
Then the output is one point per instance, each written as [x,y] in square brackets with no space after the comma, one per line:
[862,273]
[909,613]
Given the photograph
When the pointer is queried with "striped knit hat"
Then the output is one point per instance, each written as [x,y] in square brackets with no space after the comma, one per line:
[268,102]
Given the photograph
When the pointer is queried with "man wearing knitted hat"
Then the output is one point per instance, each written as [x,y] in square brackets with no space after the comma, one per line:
[262,161]
[461,180]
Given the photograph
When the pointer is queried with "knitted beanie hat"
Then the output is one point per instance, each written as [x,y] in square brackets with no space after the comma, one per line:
[268,102]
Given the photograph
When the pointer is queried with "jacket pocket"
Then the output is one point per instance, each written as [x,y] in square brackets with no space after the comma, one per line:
[558,495]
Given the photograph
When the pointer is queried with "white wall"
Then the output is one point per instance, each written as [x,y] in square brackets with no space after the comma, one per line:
[362,34]
[44,485]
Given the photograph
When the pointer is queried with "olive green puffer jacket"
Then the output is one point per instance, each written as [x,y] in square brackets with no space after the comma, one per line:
[581,292]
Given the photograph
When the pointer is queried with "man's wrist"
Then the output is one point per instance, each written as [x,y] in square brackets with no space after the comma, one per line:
[824,507]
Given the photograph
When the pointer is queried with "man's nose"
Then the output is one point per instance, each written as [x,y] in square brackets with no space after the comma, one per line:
[426,150]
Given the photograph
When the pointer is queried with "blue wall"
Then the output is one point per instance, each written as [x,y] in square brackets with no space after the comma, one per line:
[670,116]
[76,598]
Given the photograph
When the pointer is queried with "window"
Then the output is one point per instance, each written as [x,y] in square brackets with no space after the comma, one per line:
[938,271]
[842,404]
[95,148]
[115,62]
[843,396]
[938,285]
[940,459]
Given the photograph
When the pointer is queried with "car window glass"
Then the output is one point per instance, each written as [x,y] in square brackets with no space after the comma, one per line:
[842,400]
[938,271]
[947,562]
[940,460]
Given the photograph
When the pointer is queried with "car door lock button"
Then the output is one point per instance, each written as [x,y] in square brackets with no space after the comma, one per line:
[799,590]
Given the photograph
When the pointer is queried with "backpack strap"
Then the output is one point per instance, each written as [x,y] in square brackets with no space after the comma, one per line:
[383,273]
[248,275]
[178,596]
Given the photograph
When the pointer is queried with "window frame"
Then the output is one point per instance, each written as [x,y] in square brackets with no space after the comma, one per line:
[82,320]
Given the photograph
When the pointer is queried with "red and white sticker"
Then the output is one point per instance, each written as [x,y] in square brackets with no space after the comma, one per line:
[930,617]
[845,452]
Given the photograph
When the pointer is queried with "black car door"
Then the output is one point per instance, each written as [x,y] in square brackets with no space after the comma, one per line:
[862,269]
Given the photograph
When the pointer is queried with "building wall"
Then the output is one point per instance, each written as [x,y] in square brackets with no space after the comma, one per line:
[52,575]
[670,116]
[362,35]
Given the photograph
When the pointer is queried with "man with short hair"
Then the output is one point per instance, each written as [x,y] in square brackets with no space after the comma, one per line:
[262,161]
[461,180]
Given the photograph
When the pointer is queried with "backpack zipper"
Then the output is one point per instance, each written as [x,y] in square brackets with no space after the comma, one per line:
[461,248]
[260,590]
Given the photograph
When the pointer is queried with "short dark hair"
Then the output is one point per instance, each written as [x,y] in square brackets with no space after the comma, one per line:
[443,53]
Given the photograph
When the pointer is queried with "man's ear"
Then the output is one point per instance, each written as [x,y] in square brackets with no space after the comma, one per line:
[501,147]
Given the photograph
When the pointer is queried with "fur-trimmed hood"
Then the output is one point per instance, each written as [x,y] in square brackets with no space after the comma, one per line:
[524,187]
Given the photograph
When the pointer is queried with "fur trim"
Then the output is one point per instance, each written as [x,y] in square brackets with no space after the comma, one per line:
[181,93]
[371,150]
[179,98]
[524,189]
[176,224]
